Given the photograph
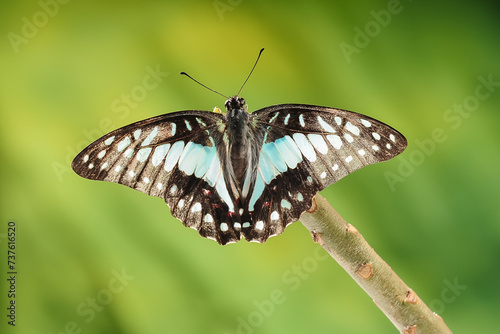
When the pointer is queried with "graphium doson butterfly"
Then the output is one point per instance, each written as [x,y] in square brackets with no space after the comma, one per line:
[239,174]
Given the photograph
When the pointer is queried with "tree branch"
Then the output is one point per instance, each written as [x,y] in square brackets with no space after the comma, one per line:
[347,246]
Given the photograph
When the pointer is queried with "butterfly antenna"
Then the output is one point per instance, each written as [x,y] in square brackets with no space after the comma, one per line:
[199,83]
[249,74]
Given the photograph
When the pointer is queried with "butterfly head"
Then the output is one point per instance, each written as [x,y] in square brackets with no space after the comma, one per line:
[235,103]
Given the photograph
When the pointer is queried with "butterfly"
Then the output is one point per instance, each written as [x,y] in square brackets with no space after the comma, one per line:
[239,174]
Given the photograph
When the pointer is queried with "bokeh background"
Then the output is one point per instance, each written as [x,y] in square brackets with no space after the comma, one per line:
[95,257]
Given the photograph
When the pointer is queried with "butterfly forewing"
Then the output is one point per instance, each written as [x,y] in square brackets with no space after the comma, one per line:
[174,157]
[305,149]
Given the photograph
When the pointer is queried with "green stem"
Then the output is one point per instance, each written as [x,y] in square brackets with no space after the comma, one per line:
[347,246]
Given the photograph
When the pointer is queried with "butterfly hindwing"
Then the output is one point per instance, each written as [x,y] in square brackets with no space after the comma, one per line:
[305,149]
[175,157]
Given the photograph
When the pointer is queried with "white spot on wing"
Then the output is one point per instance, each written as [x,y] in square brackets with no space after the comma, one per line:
[376,135]
[301,120]
[146,180]
[224,227]
[335,167]
[123,144]
[246,224]
[237,226]
[109,140]
[352,128]
[209,219]
[286,119]
[335,141]
[104,165]
[375,148]
[327,127]
[275,215]
[391,136]
[348,159]
[143,154]
[188,125]
[318,142]
[366,123]
[348,137]
[137,134]
[361,152]
[131,173]
[285,204]
[150,137]
[180,204]
[388,146]
[196,207]
[118,168]
[323,175]
[305,146]
[338,120]
[86,158]
[159,186]
[91,166]
[174,129]
[128,153]
[159,154]
[259,225]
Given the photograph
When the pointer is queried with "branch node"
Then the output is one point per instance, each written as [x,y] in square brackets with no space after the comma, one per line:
[351,229]
[314,206]
[365,271]
[411,297]
[317,237]
[412,329]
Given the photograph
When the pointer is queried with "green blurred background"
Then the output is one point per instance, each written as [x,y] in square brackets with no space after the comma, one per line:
[95,257]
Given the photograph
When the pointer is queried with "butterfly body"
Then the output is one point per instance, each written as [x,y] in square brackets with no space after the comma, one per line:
[239,174]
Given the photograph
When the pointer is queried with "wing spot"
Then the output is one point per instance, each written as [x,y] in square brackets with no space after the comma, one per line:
[209,219]
[376,135]
[196,207]
[146,180]
[118,168]
[286,119]
[104,165]
[348,159]
[246,224]
[237,226]
[391,136]
[101,154]
[275,215]
[338,120]
[309,179]
[335,141]
[348,137]
[91,166]
[86,158]
[188,125]
[241,211]
[366,123]
[150,137]
[128,153]
[327,127]
[123,144]
[159,186]
[224,227]
[323,175]
[388,146]
[137,134]
[361,152]
[375,147]
[143,154]
[352,128]
[131,173]
[285,204]
[180,204]
[300,198]
[301,120]
[335,167]
[109,140]
[174,129]
[259,225]
[173,190]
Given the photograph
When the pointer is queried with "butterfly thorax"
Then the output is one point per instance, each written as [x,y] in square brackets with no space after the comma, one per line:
[242,135]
